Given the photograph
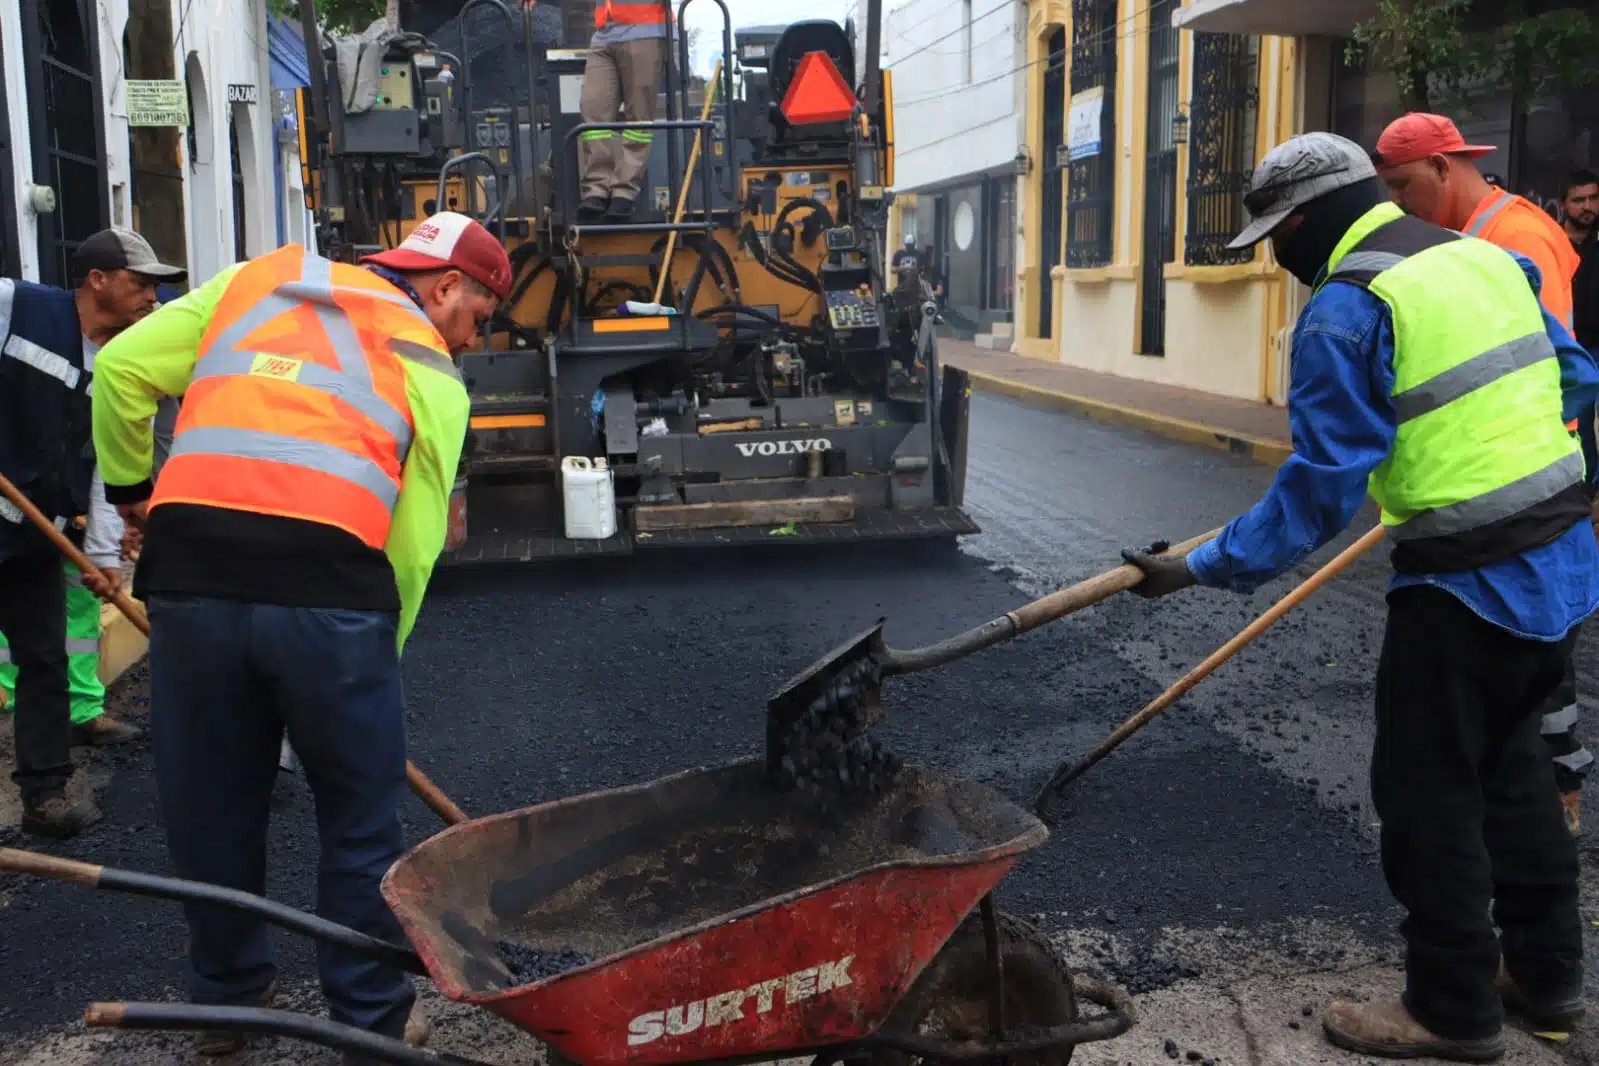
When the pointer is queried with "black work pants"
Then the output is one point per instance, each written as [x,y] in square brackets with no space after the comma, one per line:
[1470,816]
[33,606]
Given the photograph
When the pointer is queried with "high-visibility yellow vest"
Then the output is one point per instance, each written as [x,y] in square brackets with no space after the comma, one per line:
[1482,466]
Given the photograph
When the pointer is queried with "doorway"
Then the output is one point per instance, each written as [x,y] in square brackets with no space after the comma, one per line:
[1160,176]
[1052,189]
[61,45]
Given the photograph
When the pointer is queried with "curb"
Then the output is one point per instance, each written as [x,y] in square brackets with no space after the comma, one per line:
[1271,453]
[121,644]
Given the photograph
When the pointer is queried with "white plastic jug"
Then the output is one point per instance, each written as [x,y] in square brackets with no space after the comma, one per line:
[589,489]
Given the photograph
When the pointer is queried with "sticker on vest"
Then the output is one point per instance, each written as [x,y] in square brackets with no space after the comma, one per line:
[276,366]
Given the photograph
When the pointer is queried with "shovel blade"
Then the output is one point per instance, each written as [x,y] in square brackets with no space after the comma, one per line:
[805,688]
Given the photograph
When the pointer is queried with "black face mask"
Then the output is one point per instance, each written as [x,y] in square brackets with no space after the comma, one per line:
[1327,219]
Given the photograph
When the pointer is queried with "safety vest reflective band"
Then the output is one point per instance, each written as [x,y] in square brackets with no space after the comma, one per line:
[629,14]
[298,404]
[1481,466]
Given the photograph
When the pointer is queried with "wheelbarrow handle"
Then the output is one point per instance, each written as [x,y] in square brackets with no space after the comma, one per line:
[34,864]
[429,793]
[1029,616]
[193,1017]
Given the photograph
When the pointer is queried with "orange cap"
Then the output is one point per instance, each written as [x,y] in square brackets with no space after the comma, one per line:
[1419,135]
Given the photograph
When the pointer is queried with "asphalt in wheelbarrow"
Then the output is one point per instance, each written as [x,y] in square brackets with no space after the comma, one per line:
[593,876]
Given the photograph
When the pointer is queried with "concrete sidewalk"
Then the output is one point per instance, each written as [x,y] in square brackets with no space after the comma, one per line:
[1256,430]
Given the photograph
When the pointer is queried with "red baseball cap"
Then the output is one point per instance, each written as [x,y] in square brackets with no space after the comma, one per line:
[447,240]
[1419,135]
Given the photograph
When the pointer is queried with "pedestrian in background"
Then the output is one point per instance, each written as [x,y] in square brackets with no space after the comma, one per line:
[1426,374]
[49,339]
[1579,202]
[1427,166]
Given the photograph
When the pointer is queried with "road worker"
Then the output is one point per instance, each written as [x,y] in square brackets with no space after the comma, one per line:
[625,65]
[1427,166]
[49,338]
[1425,371]
[288,544]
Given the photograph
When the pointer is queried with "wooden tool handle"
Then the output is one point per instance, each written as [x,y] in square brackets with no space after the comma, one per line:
[1215,659]
[1059,604]
[688,180]
[425,789]
[37,864]
[433,796]
[125,603]
[104,1015]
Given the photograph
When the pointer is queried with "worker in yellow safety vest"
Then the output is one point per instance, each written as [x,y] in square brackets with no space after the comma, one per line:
[1427,374]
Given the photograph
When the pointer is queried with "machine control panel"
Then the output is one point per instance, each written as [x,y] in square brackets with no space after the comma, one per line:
[852,309]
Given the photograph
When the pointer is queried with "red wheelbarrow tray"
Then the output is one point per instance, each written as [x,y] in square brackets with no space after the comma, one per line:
[725,919]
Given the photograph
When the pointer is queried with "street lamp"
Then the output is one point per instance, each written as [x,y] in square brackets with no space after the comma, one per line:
[1179,128]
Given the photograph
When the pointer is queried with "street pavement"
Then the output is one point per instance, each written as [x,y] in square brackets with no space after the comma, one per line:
[1221,865]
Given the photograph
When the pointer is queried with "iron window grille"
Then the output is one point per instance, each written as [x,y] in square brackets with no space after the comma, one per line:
[1221,145]
[1091,182]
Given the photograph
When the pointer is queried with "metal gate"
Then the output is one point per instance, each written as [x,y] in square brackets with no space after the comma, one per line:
[61,46]
[1160,176]
[1052,188]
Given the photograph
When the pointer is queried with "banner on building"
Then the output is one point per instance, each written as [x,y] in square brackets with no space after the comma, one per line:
[1083,125]
[157,103]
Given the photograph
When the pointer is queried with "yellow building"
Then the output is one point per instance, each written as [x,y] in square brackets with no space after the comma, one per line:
[1140,138]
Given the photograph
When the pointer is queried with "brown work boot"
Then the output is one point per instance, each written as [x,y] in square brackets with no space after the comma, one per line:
[1387,1031]
[216,1044]
[102,731]
[1555,1015]
[59,817]
[1571,804]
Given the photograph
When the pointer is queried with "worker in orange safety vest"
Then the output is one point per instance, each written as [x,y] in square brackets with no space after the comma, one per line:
[288,544]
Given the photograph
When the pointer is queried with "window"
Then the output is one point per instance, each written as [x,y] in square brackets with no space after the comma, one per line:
[1221,154]
[1091,181]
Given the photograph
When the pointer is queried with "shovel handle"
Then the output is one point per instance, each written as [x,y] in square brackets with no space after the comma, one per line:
[1029,616]
[51,867]
[426,790]
[1067,774]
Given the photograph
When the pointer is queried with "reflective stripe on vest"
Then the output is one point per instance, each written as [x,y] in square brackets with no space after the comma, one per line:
[285,415]
[1476,228]
[629,14]
[1480,438]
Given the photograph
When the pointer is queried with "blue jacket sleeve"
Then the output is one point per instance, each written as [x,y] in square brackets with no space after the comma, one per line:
[1343,426]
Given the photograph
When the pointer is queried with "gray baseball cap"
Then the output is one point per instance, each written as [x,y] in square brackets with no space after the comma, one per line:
[1296,172]
[121,249]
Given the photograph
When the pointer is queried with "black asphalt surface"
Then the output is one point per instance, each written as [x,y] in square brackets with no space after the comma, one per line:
[1245,807]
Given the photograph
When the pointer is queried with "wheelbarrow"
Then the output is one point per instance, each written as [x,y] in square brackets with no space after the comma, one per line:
[703,917]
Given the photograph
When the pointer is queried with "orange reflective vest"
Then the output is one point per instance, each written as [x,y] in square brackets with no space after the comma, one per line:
[298,405]
[630,13]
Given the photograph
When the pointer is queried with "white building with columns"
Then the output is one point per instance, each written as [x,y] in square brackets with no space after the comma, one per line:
[221,186]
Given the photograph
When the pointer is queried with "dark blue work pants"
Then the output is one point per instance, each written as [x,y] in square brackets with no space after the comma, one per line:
[227,678]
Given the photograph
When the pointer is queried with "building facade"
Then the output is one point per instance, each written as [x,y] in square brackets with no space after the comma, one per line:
[206,191]
[1144,120]
[956,87]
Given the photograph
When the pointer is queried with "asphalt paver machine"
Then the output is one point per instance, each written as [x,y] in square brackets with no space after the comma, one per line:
[780,385]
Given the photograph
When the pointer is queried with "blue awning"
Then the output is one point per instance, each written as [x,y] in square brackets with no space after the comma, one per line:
[287,51]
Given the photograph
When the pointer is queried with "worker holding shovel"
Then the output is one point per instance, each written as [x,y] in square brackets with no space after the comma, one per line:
[1427,373]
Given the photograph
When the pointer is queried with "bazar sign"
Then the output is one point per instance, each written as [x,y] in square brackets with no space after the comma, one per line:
[243,94]
[726,1007]
[156,103]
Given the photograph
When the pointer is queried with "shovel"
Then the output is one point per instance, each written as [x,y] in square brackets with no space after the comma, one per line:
[426,790]
[854,670]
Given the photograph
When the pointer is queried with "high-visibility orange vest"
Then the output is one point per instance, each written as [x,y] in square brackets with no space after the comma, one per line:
[298,404]
[629,13]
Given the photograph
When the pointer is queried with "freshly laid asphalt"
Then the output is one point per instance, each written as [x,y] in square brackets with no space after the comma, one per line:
[1245,808]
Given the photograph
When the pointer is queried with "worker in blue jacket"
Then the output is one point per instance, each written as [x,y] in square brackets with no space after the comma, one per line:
[1426,373]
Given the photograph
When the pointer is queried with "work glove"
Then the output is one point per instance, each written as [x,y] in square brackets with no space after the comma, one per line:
[1162,575]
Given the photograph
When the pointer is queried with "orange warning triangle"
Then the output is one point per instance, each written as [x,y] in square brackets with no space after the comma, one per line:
[817,92]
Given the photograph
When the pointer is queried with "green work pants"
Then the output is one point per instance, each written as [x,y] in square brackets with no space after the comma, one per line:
[83,653]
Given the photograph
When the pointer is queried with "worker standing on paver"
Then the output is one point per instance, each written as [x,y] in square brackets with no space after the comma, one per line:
[288,545]
[1425,370]
[49,338]
[1427,166]
[625,64]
